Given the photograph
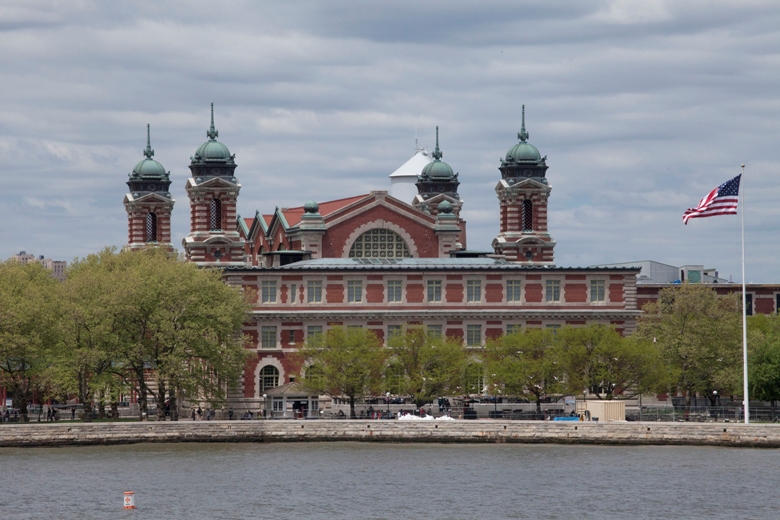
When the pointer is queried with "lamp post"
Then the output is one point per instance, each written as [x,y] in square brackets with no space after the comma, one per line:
[265,406]
[715,400]
[387,395]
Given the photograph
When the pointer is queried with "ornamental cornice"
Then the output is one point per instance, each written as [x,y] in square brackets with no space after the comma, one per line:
[446,314]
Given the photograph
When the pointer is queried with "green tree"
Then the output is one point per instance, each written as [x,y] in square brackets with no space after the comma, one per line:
[764,358]
[181,328]
[432,366]
[87,358]
[525,363]
[28,318]
[699,336]
[599,359]
[349,363]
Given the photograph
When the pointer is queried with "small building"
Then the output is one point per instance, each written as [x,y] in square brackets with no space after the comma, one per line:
[290,401]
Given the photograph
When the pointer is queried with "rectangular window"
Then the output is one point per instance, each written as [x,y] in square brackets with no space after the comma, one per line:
[314,291]
[291,337]
[434,330]
[312,331]
[293,293]
[393,330]
[394,291]
[269,291]
[597,293]
[748,304]
[554,327]
[434,290]
[553,291]
[474,291]
[354,291]
[268,337]
[513,327]
[354,326]
[513,291]
[473,335]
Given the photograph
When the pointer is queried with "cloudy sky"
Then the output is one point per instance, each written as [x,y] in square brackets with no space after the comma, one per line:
[642,107]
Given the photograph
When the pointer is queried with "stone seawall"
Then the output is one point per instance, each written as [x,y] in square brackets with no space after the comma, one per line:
[484,431]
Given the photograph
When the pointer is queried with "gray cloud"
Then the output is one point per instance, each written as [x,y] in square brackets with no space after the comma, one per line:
[641,109]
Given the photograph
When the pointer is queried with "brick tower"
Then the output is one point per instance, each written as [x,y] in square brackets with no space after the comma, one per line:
[523,192]
[213,189]
[149,203]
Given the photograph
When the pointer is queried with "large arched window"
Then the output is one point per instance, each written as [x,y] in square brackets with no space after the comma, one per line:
[379,243]
[528,215]
[216,214]
[269,378]
[474,378]
[151,227]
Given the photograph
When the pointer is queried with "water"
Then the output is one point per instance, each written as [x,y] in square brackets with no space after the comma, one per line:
[375,481]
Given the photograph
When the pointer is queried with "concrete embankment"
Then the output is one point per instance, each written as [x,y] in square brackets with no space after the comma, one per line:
[483,431]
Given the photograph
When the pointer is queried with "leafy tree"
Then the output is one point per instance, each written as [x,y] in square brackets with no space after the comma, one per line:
[185,324]
[349,363]
[432,366]
[88,356]
[602,361]
[525,363]
[764,358]
[699,335]
[28,317]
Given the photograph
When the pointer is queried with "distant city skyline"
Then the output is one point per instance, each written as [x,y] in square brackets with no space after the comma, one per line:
[641,109]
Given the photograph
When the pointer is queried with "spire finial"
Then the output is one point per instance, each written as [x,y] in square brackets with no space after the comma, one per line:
[437,153]
[523,135]
[212,133]
[148,152]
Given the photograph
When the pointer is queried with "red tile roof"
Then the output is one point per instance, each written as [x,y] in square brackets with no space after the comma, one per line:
[293,215]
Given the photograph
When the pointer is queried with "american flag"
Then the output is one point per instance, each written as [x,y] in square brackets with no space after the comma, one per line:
[720,201]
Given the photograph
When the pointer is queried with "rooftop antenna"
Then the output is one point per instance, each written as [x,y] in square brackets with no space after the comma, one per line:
[523,135]
[148,152]
[212,133]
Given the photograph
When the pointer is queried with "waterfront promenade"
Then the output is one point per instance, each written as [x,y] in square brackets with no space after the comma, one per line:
[459,431]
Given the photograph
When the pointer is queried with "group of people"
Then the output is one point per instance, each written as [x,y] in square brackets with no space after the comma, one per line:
[198,414]
[10,415]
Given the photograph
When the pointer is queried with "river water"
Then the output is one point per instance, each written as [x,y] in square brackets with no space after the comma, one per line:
[374,481]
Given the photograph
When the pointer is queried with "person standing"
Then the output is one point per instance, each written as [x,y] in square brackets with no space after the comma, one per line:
[193,413]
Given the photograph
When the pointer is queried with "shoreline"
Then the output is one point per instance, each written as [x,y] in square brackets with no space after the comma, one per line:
[455,432]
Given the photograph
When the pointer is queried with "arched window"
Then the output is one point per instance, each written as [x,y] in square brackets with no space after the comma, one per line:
[528,215]
[474,378]
[379,243]
[269,378]
[216,214]
[151,227]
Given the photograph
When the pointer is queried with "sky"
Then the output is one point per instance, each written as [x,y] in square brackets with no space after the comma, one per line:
[640,107]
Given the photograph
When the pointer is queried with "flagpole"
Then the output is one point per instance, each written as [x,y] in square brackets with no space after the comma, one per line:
[744,310]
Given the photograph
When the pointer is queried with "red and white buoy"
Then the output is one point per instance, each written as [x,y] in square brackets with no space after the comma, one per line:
[129,500]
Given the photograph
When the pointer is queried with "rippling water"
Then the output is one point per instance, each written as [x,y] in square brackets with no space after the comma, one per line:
[359,480]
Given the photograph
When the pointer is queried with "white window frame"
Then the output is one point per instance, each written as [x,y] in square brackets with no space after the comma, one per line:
[313,330]
[269,329]
[513,286]
[314,291]
[552,291]
[473,291]
[268,291]
[470,330]
[431,290]
[354,291]
[397,291]
[598,288]
[435,329]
